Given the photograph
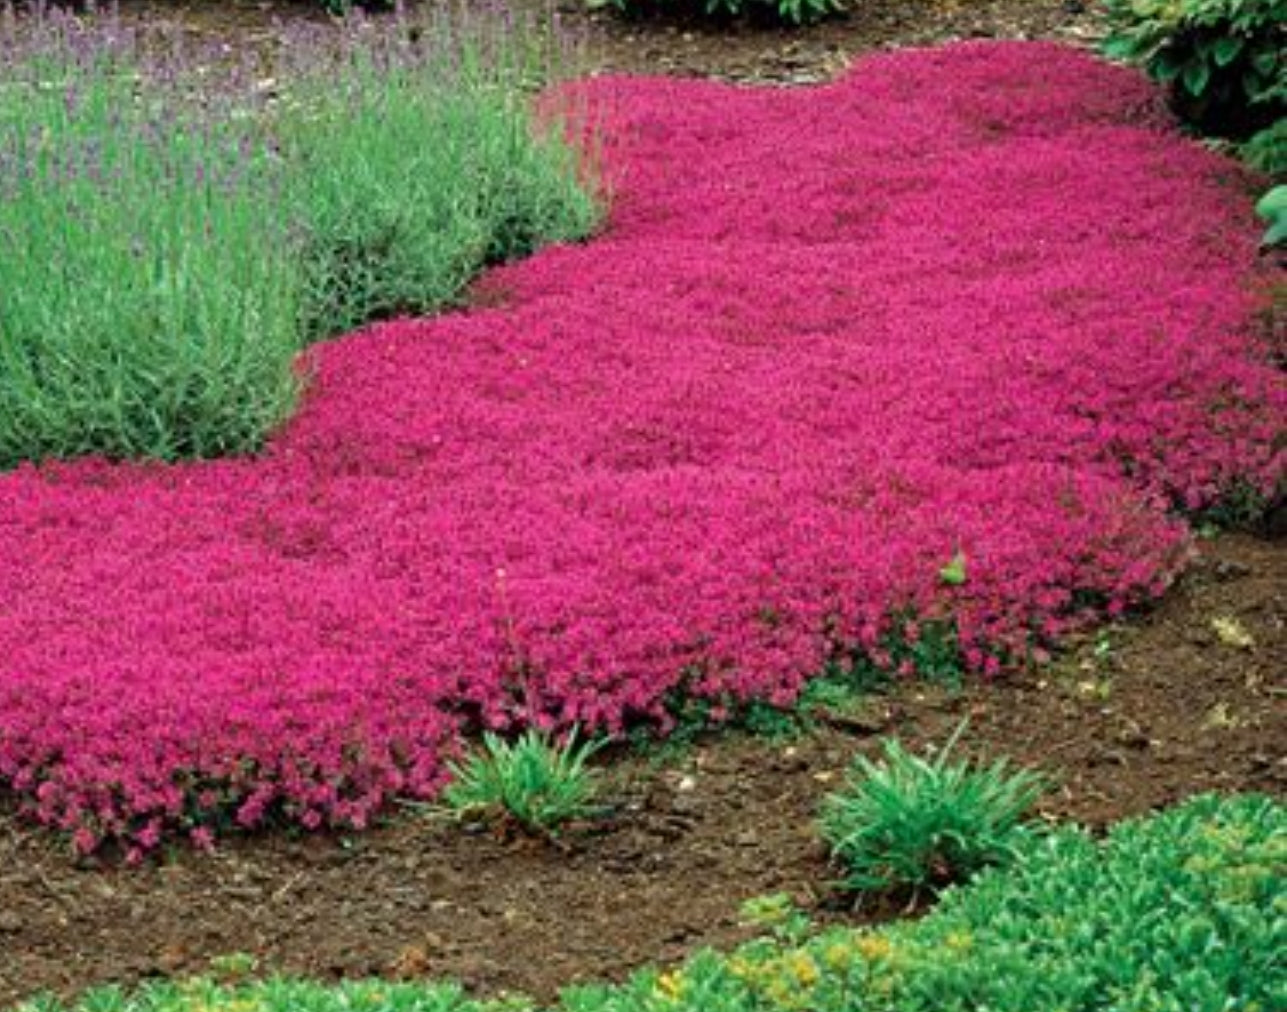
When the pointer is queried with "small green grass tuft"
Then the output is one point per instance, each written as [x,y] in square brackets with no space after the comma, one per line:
[531,782]
[912,823]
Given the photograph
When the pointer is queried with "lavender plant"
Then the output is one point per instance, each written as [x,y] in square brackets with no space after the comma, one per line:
[176,224]
[150,302]
[427,164]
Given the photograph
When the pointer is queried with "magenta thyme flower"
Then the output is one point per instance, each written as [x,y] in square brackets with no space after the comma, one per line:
[974,308]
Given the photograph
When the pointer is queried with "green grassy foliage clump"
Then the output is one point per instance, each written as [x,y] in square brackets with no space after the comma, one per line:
[149,301]
[536,783]
[1185,911]
[908,823]
[177,224]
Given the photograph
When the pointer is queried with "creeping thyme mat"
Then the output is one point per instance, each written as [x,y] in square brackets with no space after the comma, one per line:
[931,351]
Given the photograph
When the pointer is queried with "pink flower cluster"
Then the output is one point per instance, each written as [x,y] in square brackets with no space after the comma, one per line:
[976,299]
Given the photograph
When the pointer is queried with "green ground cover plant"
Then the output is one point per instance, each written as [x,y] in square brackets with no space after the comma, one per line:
[1178,911]
[910,823]
[175,225]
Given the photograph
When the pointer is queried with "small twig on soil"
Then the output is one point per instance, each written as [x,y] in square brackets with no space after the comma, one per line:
[280,894]
[49,887]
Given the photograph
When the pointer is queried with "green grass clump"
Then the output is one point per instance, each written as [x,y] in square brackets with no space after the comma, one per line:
[176,224]
[911,823]
[532,782]
[1185,911]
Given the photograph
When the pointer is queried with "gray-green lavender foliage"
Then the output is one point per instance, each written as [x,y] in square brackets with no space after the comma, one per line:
[177,223]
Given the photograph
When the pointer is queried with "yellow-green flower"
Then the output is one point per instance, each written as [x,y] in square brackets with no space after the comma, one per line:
[838,957]
[804,969]
[671,986]
[958,941]
[874,947]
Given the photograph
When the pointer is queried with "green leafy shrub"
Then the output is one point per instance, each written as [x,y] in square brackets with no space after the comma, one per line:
[1224,59]
[1176,912]
[912,823]
[793,12]
[1266,151]
[1273,208]
[531,782]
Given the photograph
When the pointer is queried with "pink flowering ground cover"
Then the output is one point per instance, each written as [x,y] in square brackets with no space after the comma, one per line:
[976,303]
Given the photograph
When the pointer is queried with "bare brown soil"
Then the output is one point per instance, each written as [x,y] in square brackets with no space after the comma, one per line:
[1185,699]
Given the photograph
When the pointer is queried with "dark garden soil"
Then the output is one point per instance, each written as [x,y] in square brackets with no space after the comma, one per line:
[1187,698]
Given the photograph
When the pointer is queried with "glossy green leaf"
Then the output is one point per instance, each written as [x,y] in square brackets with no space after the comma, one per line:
[1226,49]
[1195,77]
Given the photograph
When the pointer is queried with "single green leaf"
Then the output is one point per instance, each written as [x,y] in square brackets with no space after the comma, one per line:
[1119,47]
[1195,78]
[1272,207]
[1226,49]
[1265,61]
[1165,67]
[1273,204]
[953,574]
